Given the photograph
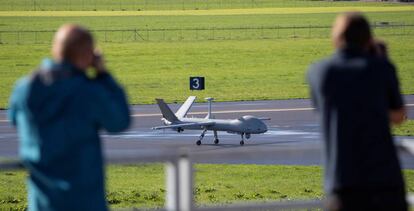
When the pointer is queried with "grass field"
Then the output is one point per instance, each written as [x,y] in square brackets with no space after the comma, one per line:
[143,185]
[182,22]
[221,12]
[235,70]
[238,65]
[19,30]
[126,5]
[406,129]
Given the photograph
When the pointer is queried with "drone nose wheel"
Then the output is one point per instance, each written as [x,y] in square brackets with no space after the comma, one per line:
[242,139]
[201,137]
[216,141]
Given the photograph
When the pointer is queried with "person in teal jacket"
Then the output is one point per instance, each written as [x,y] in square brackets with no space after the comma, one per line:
[58,112]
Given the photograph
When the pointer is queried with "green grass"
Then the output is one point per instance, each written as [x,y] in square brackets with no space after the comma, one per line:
[254,11]
[143,185]
[234,70]
[238,64]
[189,21]
[406,129]
[246,67]
[123,5]
[188,27]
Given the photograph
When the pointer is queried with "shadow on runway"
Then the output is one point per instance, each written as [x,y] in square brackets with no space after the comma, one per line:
[247,145]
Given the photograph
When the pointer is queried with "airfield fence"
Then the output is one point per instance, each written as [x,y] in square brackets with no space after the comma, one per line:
[199,34]
[139,5]
[180,178]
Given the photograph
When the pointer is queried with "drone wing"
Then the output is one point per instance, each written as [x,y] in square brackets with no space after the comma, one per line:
[184,125]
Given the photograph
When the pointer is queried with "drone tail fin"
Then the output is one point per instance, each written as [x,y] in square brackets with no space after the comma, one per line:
[183,110]
[166,111]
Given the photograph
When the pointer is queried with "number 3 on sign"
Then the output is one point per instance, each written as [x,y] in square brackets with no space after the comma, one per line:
[196,83]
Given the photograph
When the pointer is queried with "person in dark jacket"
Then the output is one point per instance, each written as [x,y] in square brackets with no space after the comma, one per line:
[58,112]
[356,91]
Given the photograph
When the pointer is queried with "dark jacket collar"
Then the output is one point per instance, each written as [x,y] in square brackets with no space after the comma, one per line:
[351,52]
[69,66]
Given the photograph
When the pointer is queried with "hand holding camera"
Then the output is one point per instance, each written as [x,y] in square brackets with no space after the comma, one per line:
[379,48]
[98,62]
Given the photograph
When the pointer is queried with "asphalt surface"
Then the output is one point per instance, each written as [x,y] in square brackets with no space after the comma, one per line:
[293,137]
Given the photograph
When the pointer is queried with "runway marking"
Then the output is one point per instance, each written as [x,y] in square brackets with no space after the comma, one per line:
[229,105]
[241,111]
[224,112]
[231,111]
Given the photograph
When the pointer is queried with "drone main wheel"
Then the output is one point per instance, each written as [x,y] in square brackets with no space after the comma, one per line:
[241,143]
[216,141]
[198,142]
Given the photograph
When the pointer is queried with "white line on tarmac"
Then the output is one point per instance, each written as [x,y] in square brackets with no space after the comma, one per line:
[221,112]
[242,111]
[231,111]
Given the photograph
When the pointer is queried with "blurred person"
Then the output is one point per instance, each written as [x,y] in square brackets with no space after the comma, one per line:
[357,94]
[58,112]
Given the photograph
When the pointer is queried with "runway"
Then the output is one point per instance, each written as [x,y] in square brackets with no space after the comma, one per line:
[293,137]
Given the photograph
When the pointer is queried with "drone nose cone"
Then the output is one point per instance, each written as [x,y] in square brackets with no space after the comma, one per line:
[264,128]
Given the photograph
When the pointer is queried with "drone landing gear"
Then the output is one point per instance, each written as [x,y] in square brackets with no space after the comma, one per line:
[201,137]
[242,141]
[216,140]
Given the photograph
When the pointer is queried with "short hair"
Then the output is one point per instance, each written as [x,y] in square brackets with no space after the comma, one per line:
[70,40]
[351,29]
